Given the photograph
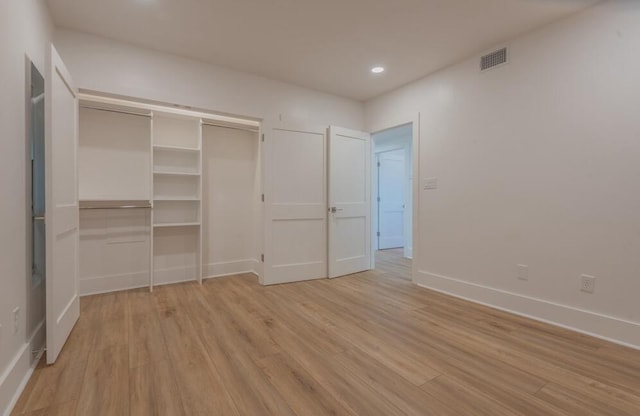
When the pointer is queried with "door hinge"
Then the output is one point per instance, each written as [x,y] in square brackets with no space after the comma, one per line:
[378,164]
[262,258]
[262,136]
[378,199]
[378,233]
[262,197]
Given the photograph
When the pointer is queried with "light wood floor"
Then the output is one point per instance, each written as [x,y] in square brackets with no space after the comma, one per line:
[367,344]
[392,263]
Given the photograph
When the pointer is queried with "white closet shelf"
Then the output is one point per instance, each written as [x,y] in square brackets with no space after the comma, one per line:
[177,224]
[176,148]
[159,172]
[177,198]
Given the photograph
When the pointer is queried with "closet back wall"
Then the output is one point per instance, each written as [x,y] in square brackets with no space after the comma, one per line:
[113,158]
[230,196]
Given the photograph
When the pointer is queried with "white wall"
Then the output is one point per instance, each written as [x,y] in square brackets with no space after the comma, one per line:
[25,29]
[538,164]
[109,66]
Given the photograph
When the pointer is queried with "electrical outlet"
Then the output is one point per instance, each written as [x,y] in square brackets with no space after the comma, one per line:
[523,272]
[587,283]
[16,320]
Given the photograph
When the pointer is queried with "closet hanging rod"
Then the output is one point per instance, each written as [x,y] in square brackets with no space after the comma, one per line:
[115,205]
[224,126]
[131,113]
[120,207]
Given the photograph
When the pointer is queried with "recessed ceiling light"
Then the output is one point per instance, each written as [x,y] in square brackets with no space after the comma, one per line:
[377,69]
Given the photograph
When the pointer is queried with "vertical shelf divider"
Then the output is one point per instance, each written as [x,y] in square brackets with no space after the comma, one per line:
[176,173]
[200,212]
[151,142]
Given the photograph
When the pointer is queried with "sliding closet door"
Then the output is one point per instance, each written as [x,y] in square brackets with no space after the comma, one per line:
[295,173]
[349,201]
[61,216]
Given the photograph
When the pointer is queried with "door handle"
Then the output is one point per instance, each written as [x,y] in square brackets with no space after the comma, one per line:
[333,210]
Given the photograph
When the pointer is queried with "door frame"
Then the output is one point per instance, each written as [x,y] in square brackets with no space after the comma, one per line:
[379,127]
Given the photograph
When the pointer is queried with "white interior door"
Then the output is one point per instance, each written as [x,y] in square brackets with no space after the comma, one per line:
[391,203]
[349,201]
[295,172]
[61,212]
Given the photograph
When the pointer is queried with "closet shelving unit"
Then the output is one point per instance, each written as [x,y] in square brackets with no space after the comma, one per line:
[151,156]
[177,198]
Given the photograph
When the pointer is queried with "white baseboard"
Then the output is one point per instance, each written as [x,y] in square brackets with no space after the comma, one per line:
[601,326]
[17,374]
[174,275]
[113,283]
[229,268]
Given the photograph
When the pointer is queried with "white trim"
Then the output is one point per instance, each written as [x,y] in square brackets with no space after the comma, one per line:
[597,325]
[167,276]
[408,252]
[17,374]
[229,268]
[102,98]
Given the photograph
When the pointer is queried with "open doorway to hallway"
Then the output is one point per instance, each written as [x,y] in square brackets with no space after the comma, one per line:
[393,199]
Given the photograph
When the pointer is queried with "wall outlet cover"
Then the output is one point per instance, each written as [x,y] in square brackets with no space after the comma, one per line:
[16,320]
[587,283]
[523,272]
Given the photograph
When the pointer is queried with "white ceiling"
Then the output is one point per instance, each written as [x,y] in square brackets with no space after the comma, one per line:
[328,45]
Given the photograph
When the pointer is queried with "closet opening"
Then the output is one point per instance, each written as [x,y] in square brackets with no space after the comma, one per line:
[231,200]
[167,195]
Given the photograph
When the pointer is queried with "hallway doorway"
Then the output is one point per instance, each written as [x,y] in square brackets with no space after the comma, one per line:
[393,190]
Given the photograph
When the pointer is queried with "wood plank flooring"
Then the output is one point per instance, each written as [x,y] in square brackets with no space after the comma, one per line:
[367,344]
[393,263]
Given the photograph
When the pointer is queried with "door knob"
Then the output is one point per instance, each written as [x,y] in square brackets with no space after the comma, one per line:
[333,210]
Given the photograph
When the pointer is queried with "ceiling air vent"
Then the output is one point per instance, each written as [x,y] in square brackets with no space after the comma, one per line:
[493,59]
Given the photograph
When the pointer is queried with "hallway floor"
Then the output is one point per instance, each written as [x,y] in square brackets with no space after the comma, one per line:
[393,263]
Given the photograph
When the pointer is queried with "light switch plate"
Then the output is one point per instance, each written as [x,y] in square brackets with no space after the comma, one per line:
[429,183]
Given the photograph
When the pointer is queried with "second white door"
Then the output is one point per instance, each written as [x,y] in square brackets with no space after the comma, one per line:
[349,201]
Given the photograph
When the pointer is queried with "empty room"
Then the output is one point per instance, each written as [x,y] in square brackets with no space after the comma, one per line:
[355,207]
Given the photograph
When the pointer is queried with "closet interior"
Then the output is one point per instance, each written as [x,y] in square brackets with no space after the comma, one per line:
[166,196]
